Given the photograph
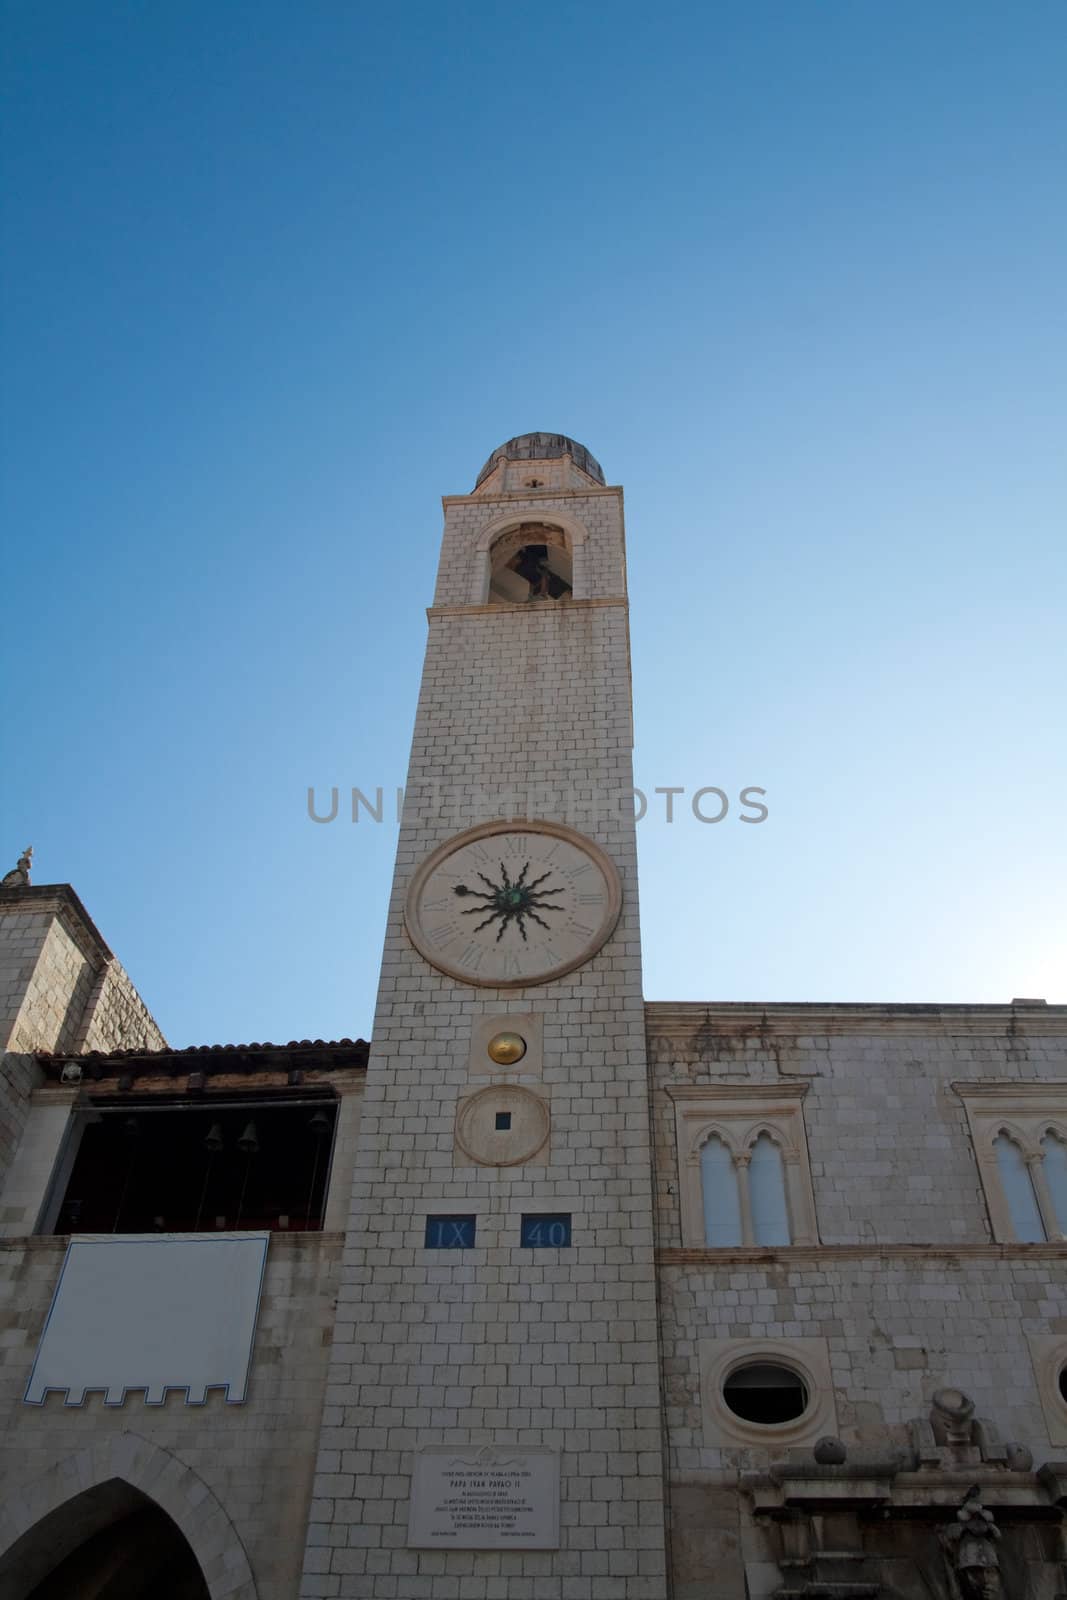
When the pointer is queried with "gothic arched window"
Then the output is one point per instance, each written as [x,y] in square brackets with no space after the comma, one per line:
[1018,1191]
[722,1204]
[744,1193]
[1020,1139]
[743,1165]
[766,1182]
[1054,1151]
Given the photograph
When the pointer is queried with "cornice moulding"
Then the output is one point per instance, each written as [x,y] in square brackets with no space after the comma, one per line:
[688,1019]
[60,899]
[801,1255]
[755,1094]
[999,1090]
[525,607]
[524,497]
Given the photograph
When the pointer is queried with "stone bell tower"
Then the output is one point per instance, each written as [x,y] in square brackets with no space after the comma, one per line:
[492,1424]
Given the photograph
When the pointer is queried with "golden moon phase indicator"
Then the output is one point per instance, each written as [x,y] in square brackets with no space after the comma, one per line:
[506,1048]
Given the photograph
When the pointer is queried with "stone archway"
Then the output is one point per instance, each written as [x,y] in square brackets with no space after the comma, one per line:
[44,1522]
[574,535]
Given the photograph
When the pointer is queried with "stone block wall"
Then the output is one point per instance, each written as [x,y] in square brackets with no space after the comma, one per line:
[888,1140]
[256,1459]
[60,990]
[116,1017]
[45,981]
[906,1293]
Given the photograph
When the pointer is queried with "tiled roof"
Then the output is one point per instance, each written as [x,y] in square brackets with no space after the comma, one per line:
[211,1058]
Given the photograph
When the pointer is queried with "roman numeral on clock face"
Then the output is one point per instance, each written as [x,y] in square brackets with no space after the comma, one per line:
[472,957]
[444,933]
[590,899]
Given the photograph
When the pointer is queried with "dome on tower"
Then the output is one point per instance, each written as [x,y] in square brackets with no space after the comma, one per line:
[543,447]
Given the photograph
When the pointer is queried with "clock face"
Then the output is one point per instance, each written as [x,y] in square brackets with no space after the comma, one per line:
[513,903]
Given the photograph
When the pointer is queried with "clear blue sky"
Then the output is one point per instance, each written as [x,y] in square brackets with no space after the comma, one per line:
[277,276]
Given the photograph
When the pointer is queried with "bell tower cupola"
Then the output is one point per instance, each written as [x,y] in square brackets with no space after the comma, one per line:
[539,461]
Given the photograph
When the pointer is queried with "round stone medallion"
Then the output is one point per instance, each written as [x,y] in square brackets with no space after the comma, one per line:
[502,1126]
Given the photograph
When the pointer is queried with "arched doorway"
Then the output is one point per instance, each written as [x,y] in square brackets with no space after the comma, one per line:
[110,1542]
[42,1525]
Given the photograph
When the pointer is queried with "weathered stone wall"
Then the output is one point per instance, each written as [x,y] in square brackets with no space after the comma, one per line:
[51,979]
[116,1016]
[23,930]
[60,990]
[46,977]
[257,1458]
[907,1289]
[19,1077]
[897,1328]
[891,1154]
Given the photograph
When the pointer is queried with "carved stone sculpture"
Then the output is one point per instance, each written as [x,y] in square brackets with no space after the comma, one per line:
[952,1417]
[970,1544]
[19,877]
[953,1435]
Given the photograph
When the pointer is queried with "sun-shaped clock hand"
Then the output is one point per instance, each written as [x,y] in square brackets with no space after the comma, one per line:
[508,902]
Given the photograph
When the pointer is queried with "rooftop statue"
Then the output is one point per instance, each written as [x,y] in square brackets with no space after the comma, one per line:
[19,876]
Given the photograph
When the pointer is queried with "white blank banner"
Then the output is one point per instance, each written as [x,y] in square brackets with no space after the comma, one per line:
[154,1312]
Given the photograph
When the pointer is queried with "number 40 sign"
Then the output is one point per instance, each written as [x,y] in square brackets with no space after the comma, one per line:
[551,1232]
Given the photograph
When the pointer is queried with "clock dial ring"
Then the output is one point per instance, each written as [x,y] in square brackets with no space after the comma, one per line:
[513,903]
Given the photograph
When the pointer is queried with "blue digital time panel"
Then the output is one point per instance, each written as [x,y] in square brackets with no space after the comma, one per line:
[551,1232]
[449,1233]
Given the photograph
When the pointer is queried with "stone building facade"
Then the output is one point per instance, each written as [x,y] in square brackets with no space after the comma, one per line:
[548,1293]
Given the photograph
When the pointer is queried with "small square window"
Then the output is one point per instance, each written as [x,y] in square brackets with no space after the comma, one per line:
[449,1233]
[552,1232]
[503,1121]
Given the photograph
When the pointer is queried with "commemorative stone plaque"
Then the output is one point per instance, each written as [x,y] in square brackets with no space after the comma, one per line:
[484,1499]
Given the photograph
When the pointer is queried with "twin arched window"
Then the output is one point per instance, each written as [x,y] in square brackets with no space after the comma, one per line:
[743,1165]
[744,1193]
[1034,1182]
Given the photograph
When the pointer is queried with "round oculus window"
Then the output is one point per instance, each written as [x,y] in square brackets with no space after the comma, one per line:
[766,1394]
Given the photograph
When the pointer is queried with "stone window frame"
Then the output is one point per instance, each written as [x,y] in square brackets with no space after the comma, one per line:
[738,1114]
[573,536]
[808,1357]
[1024,1112]
[1048,1353]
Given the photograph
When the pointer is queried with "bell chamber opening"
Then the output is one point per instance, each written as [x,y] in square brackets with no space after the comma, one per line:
[532,563]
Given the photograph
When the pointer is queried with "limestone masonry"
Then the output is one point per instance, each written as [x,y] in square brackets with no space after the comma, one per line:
[547,1293]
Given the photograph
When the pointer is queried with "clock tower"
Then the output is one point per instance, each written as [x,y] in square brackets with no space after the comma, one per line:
[493,1421]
